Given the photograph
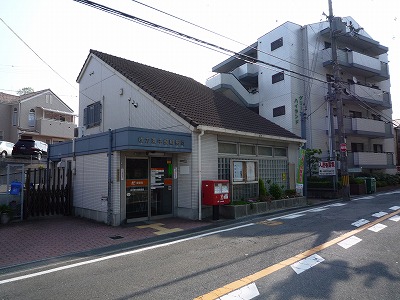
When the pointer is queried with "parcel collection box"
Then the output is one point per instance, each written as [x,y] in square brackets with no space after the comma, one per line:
[215,192]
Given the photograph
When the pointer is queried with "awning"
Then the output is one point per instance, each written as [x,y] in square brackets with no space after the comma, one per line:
[57,111]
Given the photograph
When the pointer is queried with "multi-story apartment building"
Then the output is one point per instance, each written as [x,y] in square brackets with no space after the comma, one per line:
[286,75]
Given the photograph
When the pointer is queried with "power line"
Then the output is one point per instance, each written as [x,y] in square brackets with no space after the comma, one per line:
[238,55]
[36,53]
[225,37]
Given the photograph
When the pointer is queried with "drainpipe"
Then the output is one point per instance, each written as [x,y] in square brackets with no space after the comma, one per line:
[109,204]
[200,177]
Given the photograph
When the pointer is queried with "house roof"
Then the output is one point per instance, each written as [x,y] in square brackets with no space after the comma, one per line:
[7,98]
[191,100]
[12,99]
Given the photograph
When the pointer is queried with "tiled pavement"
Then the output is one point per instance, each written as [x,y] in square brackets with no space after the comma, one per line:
[51,237]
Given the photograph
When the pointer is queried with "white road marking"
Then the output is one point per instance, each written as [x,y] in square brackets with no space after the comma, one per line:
[377,227]
[294,216]
[351,241]
[307,263]
[363,198]
[318,209]
[395,218]
[360,222]
[247,292]
[379,214]
[394,207]
[338,204]
[92,261]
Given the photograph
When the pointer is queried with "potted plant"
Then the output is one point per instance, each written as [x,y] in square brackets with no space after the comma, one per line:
[5,213]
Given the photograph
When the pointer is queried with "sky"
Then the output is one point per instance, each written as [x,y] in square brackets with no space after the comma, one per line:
[55,36]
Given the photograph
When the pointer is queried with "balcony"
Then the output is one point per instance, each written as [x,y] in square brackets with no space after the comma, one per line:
[55,128]
[367,127]
[357,64]
[370,160]
[356,41]
[374,97]
[364,127]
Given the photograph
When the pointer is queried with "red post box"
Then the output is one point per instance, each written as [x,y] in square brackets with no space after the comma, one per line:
[215,192]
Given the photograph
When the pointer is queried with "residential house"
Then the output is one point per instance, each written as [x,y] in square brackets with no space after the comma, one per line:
[149,137]
[285,76]
[39,115]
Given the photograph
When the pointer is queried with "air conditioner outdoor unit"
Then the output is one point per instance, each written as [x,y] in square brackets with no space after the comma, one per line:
[79,132]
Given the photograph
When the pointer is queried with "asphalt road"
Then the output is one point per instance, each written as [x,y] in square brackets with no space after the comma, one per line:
[344,250]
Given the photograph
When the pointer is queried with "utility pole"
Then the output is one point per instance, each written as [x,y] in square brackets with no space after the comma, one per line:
[333,24]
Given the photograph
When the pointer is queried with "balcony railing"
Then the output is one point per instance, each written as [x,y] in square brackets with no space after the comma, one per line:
[56,128]
[358,64]
[366,127]
[370,160]
[370,95]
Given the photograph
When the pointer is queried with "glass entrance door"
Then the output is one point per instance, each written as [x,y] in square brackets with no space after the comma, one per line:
[148,193]
[161,186]
[137,188]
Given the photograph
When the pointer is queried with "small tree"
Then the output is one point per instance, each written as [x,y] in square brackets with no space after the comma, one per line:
[25,90]
[312,161]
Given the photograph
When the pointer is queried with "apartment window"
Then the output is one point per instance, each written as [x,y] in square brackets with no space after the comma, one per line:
[277,44]
[376,117]
[31,118]
[280,152]
[357,147]
[227,148]
[264,151]
[378,148]
[279,111]
[355,114]
[327,45]
[92,115]
[62,118]
[278,77]
[247,150]
[15,117]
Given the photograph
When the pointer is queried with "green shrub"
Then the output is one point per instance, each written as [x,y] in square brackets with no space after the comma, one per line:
[275,191]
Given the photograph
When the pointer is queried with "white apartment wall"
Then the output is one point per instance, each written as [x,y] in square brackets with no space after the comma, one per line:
[284,92]
[100,82]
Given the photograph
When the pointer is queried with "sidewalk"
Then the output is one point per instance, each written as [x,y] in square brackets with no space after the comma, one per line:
[51,237]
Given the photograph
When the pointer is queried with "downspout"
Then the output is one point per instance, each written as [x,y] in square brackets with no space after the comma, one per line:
[200,177]
[109,204]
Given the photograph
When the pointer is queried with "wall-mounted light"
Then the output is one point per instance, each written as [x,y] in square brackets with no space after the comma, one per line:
[134,103]
[121,91]
[91,73]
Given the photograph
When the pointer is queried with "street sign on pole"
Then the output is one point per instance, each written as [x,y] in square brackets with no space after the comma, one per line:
[343,147]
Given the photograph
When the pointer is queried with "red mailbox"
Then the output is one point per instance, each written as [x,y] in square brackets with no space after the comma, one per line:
[215,192]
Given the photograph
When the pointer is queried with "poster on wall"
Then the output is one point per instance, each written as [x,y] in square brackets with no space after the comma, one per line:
[244,171]
[237,171]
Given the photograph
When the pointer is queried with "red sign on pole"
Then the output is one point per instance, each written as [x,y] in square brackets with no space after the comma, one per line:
[343,147]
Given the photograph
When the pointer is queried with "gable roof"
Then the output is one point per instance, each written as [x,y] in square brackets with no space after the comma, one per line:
[194,102]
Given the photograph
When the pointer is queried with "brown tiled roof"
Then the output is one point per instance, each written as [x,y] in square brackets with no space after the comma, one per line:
[193,101]
[7,98]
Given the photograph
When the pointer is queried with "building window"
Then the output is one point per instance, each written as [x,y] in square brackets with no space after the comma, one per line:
[357,147]
[278,77]
[282,152]
[378,148]
[277,44]
[355,114]
[31,118]
[327,45]
[62,118]
[247,150]
[264,151]
[227,148]
[15,117]
[92,115]
[279,111]
[376,117]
